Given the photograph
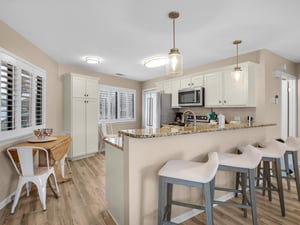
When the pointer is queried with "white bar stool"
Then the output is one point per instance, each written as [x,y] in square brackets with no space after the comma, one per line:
[244,164]
[194,174]
[293,145]
[271,152]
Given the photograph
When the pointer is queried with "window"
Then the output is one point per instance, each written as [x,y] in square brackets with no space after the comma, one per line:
[116,104]
[22,96]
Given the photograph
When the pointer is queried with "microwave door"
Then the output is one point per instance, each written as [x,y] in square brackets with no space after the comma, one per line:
[187,97]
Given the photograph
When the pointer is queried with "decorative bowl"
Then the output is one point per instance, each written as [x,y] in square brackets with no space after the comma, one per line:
[43,133]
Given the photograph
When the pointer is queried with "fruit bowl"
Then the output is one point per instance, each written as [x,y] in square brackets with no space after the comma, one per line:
[43,134]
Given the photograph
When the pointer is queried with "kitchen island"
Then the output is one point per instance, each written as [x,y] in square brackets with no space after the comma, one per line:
[134,159]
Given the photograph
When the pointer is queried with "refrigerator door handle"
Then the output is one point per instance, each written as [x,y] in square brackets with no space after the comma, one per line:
[150,111]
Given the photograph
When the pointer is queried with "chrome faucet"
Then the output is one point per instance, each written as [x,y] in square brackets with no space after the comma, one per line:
[189,111]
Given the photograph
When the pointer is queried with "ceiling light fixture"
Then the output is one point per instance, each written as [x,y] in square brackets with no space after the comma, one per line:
[174,66]
[155,61]
[92,59]
[237,71]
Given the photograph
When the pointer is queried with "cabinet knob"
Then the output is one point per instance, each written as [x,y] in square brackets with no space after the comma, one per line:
[220,101]
[224,101]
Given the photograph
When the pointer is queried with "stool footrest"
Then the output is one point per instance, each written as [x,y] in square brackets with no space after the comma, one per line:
[228,190]
[233,204]
[187,205]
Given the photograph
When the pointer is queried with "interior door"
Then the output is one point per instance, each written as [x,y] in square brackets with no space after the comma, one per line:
[288,106]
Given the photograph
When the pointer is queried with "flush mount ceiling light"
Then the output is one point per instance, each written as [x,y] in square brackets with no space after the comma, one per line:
[155,61]
[174,66]
[237,71]
[92,59]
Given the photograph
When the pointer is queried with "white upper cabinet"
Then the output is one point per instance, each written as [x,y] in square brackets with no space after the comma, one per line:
[191,81]
[175,87]
[223,90]
[213,89]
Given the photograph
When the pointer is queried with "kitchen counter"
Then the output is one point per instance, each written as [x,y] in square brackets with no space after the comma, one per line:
[133,161]
[172,130]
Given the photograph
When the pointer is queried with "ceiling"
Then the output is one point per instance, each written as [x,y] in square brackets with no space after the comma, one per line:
[124,32]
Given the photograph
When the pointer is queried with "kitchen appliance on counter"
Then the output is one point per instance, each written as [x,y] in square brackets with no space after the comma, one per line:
[157,109]
[200,119]
[191,96]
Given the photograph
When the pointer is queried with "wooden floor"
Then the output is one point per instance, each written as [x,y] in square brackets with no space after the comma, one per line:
[82,203]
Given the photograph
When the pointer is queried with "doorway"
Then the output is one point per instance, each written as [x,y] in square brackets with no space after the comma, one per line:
[288,106]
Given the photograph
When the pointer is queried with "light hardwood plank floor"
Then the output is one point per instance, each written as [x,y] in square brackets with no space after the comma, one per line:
[82,202]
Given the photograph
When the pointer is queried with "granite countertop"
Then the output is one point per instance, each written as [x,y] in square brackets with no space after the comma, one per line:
[115,141]
[171,130]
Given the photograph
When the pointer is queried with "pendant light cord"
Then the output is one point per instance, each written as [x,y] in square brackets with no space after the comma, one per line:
[237,55]
[173,33]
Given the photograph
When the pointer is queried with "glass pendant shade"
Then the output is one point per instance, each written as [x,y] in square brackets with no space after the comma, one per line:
[237,73]
[174,66]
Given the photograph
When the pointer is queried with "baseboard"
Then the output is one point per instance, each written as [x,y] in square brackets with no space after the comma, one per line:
[6,201]
[194,212]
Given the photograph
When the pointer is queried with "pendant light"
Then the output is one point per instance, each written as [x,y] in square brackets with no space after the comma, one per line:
[237,71]
[174,66]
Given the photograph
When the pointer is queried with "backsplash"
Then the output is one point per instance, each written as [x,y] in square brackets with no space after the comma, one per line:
[230,113]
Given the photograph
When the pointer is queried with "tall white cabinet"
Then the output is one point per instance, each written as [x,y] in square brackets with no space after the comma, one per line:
[81,105]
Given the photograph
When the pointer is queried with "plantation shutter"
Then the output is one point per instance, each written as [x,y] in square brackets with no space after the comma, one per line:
[39,95]
[7,97]
[26,99]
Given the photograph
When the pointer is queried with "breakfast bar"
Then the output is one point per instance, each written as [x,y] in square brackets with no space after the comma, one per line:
[135,157]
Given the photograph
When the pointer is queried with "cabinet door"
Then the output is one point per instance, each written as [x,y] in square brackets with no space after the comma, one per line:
[168,87]
[213,89]
[198,80]
[175,88]
[185,82]
[235,92]
[78,127]
[92,89]
[78,84]
[91,126]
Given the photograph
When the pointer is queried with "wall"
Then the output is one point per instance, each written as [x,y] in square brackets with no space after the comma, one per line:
[267,86]
[18,45]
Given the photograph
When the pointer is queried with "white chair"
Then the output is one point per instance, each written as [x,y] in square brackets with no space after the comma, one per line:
[244,165]
[25,161]
[186,173]
[105,131]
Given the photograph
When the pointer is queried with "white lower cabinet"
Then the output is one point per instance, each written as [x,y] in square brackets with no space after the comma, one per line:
[81,114]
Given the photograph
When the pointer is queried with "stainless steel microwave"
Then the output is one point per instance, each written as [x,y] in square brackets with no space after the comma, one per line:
[191,96]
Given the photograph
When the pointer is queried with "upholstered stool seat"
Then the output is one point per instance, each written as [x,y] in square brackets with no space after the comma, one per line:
[194,174]
[272,151]
[244,164]
[293,145]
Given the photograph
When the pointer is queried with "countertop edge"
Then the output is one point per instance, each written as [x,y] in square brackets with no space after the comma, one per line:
[164,132]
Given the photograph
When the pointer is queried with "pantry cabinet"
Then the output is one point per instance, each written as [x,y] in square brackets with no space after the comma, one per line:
[81,114]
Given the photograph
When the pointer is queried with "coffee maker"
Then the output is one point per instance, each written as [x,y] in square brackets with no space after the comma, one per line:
[178,117]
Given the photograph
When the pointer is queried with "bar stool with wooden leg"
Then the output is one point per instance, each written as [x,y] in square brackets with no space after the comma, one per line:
[272,151]
[187,173]
[293,145]
[243,164]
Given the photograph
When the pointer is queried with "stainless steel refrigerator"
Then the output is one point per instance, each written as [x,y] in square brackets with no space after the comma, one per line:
[157,109]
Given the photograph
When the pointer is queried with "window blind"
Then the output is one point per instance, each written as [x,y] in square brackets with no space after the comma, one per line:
[26,99]
[22,96]
[7,97]
[39,110]
[116,104]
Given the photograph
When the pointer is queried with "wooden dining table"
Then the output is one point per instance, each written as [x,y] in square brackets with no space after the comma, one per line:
[57,147]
